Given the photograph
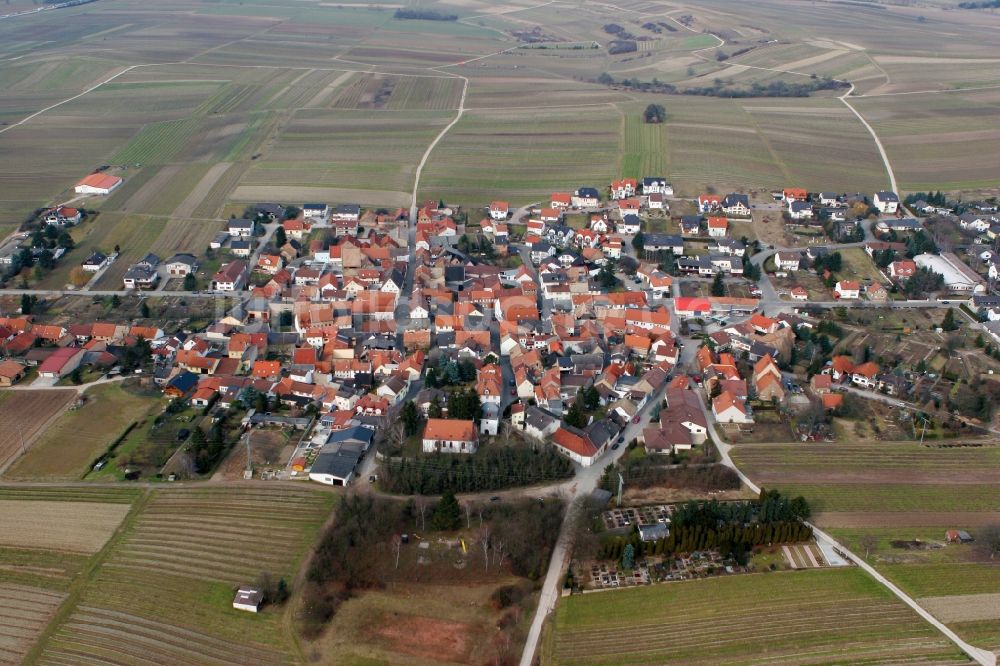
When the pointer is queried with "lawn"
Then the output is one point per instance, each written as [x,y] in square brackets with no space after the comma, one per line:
[812,616]
[70,446]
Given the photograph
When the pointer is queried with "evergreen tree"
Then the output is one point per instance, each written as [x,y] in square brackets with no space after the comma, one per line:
[410,418]
[949,324]
[434,410]
[718,287]
[280,238]
[576,416]
[447,514]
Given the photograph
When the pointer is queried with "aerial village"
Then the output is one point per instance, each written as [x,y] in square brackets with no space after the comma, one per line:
[474,328]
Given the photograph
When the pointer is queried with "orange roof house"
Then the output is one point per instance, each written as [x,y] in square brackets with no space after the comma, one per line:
[266,369]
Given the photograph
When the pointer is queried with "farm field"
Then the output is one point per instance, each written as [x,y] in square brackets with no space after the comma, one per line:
[525,154]
[193,547]
[946,141]
[80,527]
[27,414]
[24,613]
[354,151]
[809,616]
[71,444]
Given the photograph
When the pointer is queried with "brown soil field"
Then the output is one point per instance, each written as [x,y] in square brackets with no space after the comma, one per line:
[81,527]
[24,613]
[964,607]
[27,414]
[881,519]
[425,637]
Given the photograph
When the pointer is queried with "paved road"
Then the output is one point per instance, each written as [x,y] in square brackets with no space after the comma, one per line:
[586,480]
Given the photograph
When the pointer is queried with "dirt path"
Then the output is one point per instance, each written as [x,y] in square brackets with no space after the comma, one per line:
[191,201]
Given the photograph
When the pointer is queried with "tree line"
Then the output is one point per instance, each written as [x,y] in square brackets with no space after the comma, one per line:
[728,539]
[492,468]
[423,15]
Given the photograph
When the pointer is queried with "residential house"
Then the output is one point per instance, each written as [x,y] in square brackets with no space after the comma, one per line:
[736,205]
[586,197]
[709,203]
[800,210]
[847,290]
[787,261]
[886,202]
[624,188]
[181,264]
[728,408]
[240,228]
[231,277]
[450,436]
[96,261]
[718,227]
[657,185]
[499,210]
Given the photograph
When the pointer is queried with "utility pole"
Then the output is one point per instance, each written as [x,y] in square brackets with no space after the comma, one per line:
[20,433]
[621,485]
[248,474]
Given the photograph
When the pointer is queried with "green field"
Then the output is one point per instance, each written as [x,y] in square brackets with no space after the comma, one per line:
[68,448]
[815,616]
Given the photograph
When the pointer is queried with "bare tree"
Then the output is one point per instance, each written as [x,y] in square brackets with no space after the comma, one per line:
[869,542]
[397,543]
[484,542]
[499,554]
[421,504]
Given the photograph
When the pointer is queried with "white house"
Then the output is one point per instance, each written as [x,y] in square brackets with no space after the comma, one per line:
[499,210]
[847,290]
[718,227]
[450,436]
[657,185]
[800,210]
[886,202]
[727,408]
[787,261]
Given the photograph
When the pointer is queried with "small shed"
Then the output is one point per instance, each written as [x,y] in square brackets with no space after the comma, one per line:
[248,599]
[958,536]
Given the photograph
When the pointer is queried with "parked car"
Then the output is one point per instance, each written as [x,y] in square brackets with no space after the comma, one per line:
[614,447]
